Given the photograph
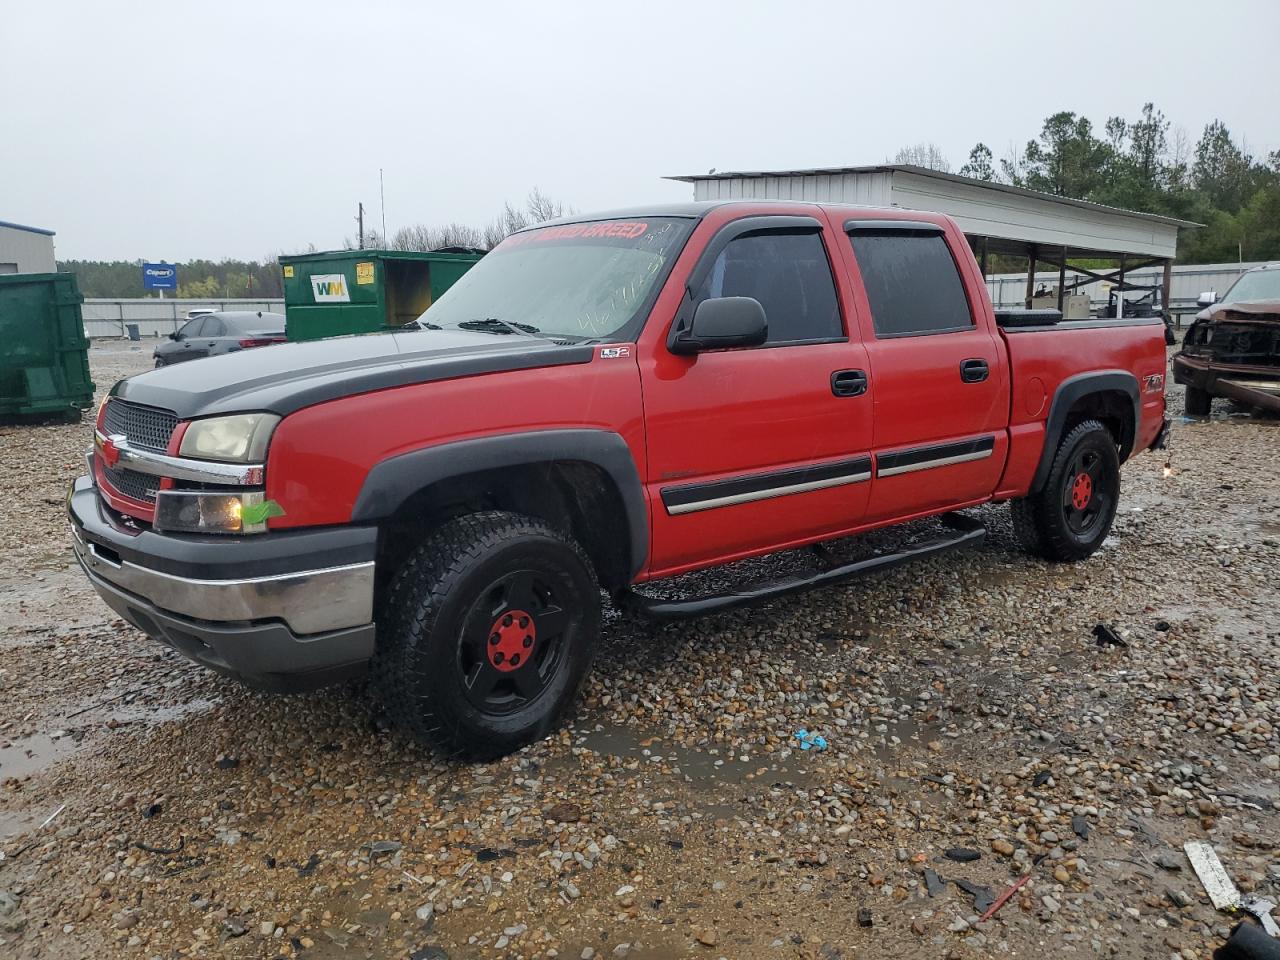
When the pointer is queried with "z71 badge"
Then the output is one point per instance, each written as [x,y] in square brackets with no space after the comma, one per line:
[612,353]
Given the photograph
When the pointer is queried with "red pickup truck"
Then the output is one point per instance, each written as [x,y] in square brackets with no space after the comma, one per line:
[599,403]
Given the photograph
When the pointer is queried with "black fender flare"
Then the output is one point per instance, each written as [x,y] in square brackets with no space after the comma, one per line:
[392,481]
[1069,392]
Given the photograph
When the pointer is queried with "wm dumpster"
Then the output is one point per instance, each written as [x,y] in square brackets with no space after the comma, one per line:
[364,291]
[44,358]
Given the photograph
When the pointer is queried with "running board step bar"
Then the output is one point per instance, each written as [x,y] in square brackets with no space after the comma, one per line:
[969,532]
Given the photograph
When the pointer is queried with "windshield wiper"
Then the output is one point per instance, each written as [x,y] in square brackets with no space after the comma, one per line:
[497,325]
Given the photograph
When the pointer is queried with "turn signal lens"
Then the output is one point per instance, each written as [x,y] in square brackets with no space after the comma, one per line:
[181,511]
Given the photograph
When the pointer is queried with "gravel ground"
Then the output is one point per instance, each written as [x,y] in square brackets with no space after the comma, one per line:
[150,809]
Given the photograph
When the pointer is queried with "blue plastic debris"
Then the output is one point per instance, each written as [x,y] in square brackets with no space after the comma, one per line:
[811,741]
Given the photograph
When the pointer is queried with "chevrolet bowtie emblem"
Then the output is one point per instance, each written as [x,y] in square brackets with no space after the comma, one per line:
[109,449]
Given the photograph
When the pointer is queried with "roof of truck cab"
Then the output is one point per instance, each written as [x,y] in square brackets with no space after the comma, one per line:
[697,209]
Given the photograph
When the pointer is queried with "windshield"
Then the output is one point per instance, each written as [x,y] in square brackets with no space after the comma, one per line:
[1255,285]
[576,281]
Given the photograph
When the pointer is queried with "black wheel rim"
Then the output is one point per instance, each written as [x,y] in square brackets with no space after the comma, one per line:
[1086,493]
[514,641]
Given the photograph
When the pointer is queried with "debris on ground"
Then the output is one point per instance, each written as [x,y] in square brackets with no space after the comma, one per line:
[1261,908]
[934,884]
[1005,896]
[1213,876]
[983,897]
[810,741]
[961,854]
[1108,637]
[383,848]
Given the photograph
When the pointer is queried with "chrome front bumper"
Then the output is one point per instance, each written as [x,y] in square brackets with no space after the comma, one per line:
[309,601]
[286,610]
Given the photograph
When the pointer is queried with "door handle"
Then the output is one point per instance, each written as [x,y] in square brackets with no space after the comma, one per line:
[849,383]
[974,371]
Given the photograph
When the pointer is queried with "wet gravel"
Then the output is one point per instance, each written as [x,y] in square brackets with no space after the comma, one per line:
[150,809]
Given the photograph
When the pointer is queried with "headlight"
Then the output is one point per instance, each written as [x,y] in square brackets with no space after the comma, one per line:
[239,439]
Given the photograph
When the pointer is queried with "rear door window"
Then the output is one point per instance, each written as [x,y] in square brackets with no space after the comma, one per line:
[788,272]
[213,327]
[191,329]
[912,282]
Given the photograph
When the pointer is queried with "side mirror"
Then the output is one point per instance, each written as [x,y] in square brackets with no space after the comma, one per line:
[721,323]
[174,336]
[1207,299]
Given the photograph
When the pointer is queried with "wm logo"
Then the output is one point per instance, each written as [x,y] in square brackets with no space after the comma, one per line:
[329,288]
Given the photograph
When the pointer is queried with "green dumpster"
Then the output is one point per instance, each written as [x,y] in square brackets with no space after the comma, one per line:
[364,291]
[44,358]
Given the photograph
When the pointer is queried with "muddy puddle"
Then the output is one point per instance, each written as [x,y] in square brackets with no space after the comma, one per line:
[36,753]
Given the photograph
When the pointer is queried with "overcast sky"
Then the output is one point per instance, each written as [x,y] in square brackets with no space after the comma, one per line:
[232,129]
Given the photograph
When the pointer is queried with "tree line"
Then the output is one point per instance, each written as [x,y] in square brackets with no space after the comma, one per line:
[210,280]
[1148,165]
[197,279]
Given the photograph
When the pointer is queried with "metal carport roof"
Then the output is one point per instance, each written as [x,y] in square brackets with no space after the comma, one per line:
[1012,218]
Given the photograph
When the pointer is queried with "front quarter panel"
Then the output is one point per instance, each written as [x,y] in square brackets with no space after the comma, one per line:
[320,456]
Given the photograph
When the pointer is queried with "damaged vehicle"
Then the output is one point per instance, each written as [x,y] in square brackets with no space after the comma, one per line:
[1232,349]
[600,404]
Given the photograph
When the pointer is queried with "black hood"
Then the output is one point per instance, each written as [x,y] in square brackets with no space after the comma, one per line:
[287,377]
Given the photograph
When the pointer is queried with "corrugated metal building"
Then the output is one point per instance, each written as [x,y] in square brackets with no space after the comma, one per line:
[998,218]
[26,249]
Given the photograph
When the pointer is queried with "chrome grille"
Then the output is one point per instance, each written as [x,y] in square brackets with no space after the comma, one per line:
[148,428]
[139,486]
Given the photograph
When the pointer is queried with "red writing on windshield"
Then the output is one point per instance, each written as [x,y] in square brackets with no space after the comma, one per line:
[621,229]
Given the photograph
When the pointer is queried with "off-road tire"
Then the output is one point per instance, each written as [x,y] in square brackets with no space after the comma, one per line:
[426,631]
[1048,523]
[1197,403]
[1024,526]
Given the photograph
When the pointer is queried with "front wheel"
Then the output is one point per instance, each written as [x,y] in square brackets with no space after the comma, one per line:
[1072,515]
[486,634]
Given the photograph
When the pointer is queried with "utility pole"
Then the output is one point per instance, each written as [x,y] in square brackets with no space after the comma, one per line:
[382,204]
[360,221]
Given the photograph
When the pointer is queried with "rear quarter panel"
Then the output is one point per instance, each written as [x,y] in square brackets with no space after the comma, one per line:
[1042,359]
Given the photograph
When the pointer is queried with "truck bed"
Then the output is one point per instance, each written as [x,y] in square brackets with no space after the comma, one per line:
[1044,355]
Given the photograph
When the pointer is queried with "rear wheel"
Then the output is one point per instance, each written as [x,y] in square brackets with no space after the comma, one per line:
[486,634]
[1072,515]
[1198,402]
